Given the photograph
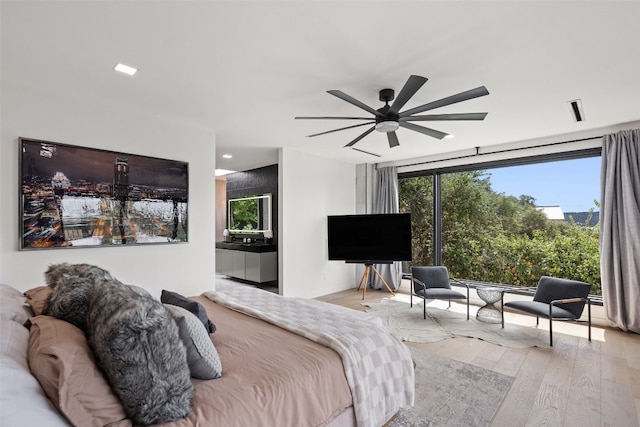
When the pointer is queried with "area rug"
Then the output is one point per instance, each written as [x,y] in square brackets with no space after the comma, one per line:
[452,393]
[407,323]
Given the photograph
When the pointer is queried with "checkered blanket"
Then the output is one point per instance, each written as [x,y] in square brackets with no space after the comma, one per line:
[378,367]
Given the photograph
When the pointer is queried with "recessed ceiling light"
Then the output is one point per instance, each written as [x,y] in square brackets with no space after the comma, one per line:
[221,172]
[449,136]
[227,156]
[125,69]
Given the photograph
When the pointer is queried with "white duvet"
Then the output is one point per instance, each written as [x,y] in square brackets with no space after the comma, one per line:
[378,367]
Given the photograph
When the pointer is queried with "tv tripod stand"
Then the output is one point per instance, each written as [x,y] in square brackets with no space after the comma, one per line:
[365,279]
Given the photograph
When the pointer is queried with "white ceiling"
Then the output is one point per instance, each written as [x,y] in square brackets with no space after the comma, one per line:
[246,69]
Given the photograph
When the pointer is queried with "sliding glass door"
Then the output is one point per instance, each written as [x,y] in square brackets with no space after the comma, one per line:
[508,223]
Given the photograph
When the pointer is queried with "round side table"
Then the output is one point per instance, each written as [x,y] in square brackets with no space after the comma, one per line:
[489,312]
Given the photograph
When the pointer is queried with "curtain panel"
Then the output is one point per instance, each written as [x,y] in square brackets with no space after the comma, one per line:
[620,229]
[386,202]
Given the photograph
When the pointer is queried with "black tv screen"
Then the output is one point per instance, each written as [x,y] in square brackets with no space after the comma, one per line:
[369,239]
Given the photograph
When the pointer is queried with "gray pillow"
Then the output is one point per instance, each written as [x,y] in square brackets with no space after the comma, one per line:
[174,298]
[202,356]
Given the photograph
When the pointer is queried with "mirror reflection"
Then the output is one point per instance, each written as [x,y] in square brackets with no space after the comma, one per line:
[250,214]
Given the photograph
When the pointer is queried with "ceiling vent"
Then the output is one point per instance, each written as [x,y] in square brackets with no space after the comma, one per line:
[576,110]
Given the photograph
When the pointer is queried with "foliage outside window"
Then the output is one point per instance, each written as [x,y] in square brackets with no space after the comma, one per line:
[491,237]
[244,214]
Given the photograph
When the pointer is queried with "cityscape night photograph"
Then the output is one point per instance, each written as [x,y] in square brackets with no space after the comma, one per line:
[76,196]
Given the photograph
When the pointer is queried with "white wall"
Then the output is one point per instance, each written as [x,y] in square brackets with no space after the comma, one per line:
[59,117]
[310,188]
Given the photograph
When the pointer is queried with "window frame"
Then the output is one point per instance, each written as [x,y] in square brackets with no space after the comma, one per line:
[436,174]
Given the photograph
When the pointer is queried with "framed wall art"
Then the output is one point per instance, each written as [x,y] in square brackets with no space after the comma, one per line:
[73,196]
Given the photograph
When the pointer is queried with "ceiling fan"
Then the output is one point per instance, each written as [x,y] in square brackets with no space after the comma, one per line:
[389,118]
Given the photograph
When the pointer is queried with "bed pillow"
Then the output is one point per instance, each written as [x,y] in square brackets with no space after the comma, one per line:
[37,298]
[202,356]
[12,305]
[22,400]
[174,298]
[60,359]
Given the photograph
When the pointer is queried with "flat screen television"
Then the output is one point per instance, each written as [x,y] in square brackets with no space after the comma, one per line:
[369,239]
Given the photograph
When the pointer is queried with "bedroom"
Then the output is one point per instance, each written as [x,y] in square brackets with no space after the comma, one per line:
[90,105]
[160,112]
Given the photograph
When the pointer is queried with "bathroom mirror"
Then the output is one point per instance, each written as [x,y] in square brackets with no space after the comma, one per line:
[250,214]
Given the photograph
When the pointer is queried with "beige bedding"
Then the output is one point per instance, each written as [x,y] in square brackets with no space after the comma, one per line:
[270,377]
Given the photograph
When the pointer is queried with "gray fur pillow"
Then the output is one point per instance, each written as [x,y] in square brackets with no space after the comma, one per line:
[202,356]
[134,339]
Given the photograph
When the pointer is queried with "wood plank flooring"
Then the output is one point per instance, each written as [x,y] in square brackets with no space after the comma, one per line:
[576,383]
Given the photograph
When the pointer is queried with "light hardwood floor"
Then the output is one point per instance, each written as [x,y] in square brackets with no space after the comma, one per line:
[576,383]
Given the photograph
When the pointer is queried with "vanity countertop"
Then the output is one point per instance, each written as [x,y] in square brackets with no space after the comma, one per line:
[247,247]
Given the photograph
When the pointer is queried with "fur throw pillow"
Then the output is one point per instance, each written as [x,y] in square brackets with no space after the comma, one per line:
[135,340]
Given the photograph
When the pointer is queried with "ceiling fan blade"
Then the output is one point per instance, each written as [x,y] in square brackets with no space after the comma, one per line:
[408,90]
[393,139]
[366,152]
[367,132]
[334,118]
[437,117]
[336,130]
[459,97]
[353,101]
[427,131]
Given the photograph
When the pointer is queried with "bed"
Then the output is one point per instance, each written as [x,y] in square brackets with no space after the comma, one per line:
[285,362]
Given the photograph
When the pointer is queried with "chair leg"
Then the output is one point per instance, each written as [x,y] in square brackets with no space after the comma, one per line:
[424,309]
[467,303]
[502,309]
[589,311]
[550,328]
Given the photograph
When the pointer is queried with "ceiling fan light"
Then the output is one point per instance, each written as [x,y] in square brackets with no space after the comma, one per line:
[387,126]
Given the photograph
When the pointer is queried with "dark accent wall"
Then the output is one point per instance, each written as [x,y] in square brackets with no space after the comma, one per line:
[255,182]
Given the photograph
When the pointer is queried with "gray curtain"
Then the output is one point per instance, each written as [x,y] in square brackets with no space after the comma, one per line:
[387,202]
[620,229]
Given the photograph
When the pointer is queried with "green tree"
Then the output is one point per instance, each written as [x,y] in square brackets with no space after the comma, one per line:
[418,200]
[245,214]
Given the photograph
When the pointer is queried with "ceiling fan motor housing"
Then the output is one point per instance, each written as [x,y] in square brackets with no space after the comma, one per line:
[387,121]
[387,95]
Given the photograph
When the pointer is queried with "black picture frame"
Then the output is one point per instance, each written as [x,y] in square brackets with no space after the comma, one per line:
[78,197]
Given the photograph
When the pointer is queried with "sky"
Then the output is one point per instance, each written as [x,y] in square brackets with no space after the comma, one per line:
[571,184]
